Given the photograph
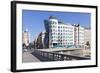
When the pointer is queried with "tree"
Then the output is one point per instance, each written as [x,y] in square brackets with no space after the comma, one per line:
[23,45]
[31,45]
[87,43]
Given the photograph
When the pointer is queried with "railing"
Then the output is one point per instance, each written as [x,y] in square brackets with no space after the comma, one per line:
[58,57]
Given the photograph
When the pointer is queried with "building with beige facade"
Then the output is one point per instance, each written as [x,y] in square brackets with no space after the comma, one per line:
[25,38]
[87,36]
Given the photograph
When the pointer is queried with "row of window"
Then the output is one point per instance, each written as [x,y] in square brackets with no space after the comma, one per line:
[61,33]
[52,22]
[53,26]
[61,30]
[65,43]
[65,30]
[80,38]
[60,27]
[53,30]
[79,33]
[62,37]
[65,27]
[65,34]
[70,42]
[66,37]
[62,40]
[80,43]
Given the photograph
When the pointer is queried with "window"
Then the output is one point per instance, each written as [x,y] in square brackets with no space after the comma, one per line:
[55,23]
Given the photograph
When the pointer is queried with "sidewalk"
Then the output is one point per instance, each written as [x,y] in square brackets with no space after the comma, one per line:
[28,57]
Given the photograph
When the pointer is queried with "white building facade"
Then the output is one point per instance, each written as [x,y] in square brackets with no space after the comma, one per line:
[64,34]
[25,38]
[87,36]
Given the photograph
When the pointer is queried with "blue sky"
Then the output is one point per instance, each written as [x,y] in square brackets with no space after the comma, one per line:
[33,20]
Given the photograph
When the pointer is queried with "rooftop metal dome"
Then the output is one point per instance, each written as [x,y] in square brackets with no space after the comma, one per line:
[52,17]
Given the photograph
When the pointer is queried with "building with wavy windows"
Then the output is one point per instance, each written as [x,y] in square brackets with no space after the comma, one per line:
[59,34]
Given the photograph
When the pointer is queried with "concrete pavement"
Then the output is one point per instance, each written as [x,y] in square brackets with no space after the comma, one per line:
[28,57]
